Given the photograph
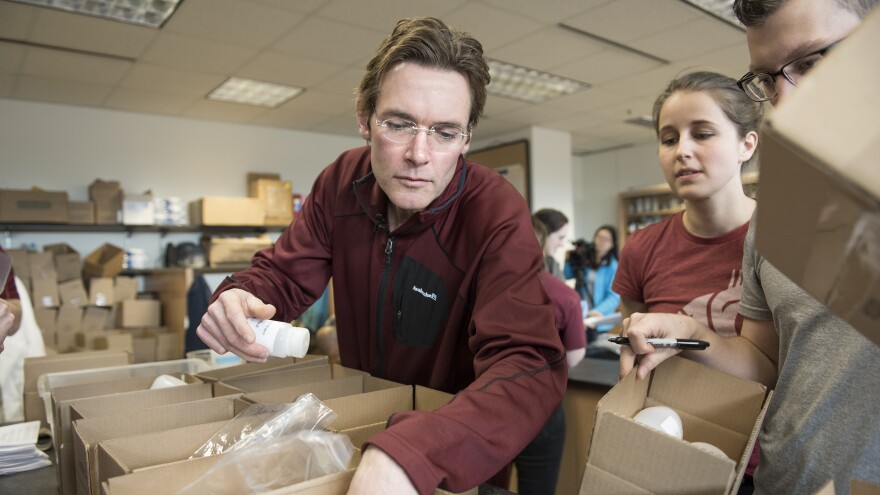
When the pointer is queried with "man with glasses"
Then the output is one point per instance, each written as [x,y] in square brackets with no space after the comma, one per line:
[822,423]
[435,272]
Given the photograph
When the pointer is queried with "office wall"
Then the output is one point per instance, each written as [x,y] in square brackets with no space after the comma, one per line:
[599,178]
[59,147]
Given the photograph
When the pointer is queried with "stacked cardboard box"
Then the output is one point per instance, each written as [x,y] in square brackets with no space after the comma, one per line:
[33,205]
[107,198]
[715,408]
[276,195]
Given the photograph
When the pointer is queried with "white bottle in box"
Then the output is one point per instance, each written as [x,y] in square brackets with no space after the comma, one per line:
[282,339]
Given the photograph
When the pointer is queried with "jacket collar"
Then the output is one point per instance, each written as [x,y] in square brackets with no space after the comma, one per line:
[374,202]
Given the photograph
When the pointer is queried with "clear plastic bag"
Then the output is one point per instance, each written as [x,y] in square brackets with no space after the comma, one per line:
[261,422]
[270,446]
[275,464]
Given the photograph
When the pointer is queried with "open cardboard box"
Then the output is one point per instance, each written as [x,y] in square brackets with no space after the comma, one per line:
[173,476]
[818,217]
[717,408]
[283,377]
[246,369]
[87,433]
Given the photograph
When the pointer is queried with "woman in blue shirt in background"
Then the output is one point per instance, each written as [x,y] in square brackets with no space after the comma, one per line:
[597,273]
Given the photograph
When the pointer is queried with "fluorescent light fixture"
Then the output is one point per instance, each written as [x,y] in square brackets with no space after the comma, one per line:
[150,13]
[250,92]
[529,85]
[720,9]
[642,120]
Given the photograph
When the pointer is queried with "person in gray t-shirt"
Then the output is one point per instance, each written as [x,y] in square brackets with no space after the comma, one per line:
[823,422]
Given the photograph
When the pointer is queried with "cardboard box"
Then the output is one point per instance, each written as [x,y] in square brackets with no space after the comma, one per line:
[36,367]
[250,369]
[21,263]
[23,206]
[68,265]
[41,266]
[124,288]
[216,210]
[87,433]
[95,318]
[65,398]
[233,251]
[277,197]
[138,313]
[138,209]
[363,410]
[72,293]
[714,407]
[69,319]
[819,215]
[279,378]
[45,318]
[81,212]
[44,293]
[101,291]
[107,198]
[168,345]
[106,261]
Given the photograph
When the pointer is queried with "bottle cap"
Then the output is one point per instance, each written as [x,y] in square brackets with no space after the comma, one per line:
[295,341]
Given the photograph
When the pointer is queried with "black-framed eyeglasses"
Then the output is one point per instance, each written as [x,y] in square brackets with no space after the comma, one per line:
[761,86]
[441,136]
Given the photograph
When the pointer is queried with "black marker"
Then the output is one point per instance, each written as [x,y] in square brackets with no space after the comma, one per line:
[693,345]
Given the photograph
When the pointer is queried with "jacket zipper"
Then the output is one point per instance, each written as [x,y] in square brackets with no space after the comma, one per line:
[379,369]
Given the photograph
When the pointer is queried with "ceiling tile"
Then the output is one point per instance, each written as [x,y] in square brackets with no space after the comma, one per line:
[503,28]
[648,83]
[16,20]
[72,66]
[578,122]
[231,21]
[384,14]
[288,69]
[304,6]
[497,106]
[11,56]
[137,100]
[625,20]
[344,82]
[292,120]
[218,110]
[181,52]
[732,61]
[606,65]
[324,39]
[153,78]
[531,51]
[594,97]
[691,39]
[550,12]
[319,102]
[60,91]
[343,125]
[84,32]
[7,85]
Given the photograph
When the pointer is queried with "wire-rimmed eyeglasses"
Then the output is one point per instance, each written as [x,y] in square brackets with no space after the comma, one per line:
[442,136]
[761,86]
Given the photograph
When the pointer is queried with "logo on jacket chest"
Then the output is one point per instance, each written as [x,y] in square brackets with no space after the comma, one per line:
[423,292]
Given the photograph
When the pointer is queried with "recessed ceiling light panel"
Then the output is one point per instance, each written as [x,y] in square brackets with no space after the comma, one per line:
[529,85]
[251,92]
[150,13]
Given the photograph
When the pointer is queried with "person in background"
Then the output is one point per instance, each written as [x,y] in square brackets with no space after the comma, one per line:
[10,307]
[690,263]
[821,424]
[557,231]
[597,297]
[537,466]
[435,273]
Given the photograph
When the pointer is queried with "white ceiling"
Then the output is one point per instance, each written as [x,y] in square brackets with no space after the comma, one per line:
[323,45]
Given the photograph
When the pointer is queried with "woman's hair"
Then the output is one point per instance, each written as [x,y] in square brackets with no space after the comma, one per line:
[613,252]
[540,233]
[552,219]
[755,12]
[428,42]
[740,110]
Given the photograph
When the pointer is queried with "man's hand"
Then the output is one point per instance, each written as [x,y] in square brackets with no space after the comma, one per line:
[378,474]
[224,326]
[641,326]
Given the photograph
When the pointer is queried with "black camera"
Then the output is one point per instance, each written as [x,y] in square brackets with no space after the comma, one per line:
[581,256]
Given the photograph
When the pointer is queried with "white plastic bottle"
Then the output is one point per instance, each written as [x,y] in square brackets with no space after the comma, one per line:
[282,339]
